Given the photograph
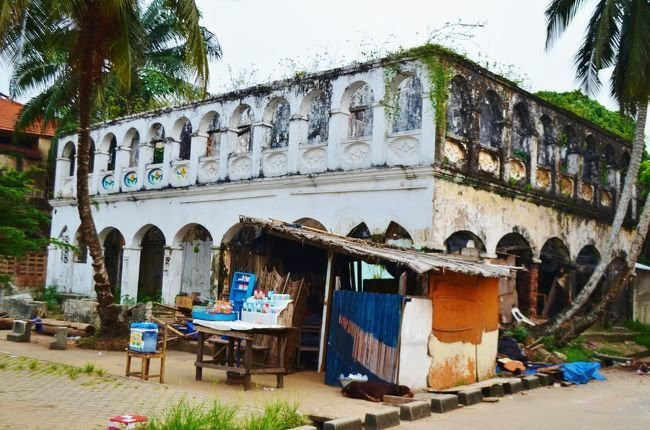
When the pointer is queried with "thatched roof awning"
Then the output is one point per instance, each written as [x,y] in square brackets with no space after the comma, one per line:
[375,253]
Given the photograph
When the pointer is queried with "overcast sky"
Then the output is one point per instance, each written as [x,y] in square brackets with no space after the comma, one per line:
[264,39]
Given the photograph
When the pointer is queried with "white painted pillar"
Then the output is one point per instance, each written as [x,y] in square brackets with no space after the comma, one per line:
[337,133]
[172,271]
[130,272]
[228,145]
[167,161]
[427,131]
[297,135]
[378,143]
[260,133]
[61,171]
[197,151]
[326,305]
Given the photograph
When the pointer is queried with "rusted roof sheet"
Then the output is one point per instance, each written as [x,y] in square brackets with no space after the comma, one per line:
[9,113]
[417,261]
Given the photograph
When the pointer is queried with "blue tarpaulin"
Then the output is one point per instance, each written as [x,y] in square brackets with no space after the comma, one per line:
[581,372]
[363,336]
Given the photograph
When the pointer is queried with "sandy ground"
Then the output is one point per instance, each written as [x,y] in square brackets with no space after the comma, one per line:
[621,402]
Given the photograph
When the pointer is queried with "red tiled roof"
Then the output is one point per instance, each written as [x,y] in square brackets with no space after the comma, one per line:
[9,112]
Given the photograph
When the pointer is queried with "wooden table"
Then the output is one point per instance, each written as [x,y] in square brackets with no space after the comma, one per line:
[246,368]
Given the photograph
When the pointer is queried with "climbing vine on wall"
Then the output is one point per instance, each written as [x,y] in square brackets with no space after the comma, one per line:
[434,58]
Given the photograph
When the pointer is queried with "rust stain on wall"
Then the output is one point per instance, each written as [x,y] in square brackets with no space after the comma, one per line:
[454,371]
[463,307]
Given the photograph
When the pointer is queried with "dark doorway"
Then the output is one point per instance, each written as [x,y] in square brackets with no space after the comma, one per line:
[151,265]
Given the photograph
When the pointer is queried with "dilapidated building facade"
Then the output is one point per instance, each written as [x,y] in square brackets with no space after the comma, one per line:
[423,150]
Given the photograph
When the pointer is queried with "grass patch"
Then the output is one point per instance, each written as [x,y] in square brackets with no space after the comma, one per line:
[73,372]
[277,415]
[3,365]
[643,338]
[88,368]
[33,364]
[100,372]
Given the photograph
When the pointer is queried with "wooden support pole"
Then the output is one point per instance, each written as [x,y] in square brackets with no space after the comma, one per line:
[326,299]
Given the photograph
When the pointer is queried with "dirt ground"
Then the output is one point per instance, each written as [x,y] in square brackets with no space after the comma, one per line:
[621,402]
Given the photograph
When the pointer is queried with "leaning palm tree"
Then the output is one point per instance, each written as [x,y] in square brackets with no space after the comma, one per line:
[78,44]
[617,36]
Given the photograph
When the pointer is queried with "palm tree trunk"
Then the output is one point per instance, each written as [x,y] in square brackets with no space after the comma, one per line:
[573,327]
[556,324]
[106,308]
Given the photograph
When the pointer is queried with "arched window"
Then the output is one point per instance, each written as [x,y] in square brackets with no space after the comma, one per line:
[590,160]
[70,153]
[214,136]
[463,239]
[569,146]
[280,125]
[397,235]
[318,120]
[112,153]
[545,153]
[522,131]
[157,139]
[459,108]
[408,105]
[185,149]
[361,112]
[245,131]
[625,164]
[491,133]
[91,157]
[134,151]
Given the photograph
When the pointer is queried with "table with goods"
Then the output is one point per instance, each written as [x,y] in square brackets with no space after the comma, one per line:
[249,312]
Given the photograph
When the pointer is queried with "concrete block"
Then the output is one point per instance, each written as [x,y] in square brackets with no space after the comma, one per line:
[441,403]
[382,419]
[545,379]
[397,400]
[495,390]
[414,410]
[343,424]
[513,386]
[23,308]
[530,382]
[470,397]
[304,428]
[61,340]
[21,332]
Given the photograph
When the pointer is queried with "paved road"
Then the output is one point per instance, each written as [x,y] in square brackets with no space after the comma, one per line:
[36,395]
[42,398]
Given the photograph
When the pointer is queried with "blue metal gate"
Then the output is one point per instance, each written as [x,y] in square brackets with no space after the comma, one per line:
[363,336]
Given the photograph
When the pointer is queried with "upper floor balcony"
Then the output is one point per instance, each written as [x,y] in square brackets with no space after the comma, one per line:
[371,115]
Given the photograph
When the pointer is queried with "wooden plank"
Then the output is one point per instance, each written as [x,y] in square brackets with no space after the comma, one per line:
[326,299]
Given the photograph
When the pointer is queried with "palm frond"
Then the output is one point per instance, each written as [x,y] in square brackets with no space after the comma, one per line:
[559,14]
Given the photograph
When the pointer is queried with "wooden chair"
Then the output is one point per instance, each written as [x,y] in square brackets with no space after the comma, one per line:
[146,357]
[300,348]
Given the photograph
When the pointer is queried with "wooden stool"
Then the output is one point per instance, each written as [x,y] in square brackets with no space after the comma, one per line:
[145,358]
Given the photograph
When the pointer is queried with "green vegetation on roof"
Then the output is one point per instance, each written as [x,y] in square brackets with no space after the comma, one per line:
[591,110]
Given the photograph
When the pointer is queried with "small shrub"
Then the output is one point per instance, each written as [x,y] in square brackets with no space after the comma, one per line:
[519,333]
[33,364]
[277,415]
[73,372]
[52,297]
[88,368]
[3,365]
[99,371]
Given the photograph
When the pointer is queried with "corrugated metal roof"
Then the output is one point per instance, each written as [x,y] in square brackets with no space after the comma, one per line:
[417,261]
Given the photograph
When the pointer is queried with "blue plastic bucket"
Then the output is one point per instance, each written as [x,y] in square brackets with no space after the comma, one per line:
[144,337]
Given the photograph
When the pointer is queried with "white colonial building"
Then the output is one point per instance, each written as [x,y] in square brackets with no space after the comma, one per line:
[360,151]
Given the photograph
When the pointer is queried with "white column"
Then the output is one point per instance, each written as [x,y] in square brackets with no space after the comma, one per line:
[167,160]
[197,151]
[378,144]
[62,170]
[337,133]
[427,131]
[130,272]
[297,135]
[172,272]
[260,132]
[228,145]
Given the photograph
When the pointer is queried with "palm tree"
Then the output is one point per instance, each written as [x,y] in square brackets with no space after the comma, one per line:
[77,45]
[617,36]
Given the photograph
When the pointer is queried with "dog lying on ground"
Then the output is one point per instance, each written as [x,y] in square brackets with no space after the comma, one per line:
[375,391]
